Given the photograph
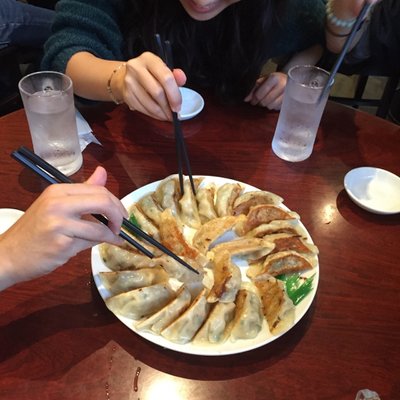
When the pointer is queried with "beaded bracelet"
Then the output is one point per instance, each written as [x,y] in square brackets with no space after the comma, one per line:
[109,90]
[331,17]
[331,32]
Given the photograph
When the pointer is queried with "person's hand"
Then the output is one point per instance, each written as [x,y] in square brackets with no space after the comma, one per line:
[55,228]
[268,91]
[151,88]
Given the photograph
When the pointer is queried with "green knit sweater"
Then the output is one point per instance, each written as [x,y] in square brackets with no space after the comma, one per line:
[230,72]
[93,26]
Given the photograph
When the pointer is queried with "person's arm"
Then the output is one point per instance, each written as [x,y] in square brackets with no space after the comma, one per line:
[144,83]
[308,56]
[87,43]
[341,14]
[268,90]
[57,226]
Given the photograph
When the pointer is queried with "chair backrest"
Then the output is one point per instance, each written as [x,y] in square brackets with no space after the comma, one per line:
[382,104]
[10,74]
[15,62]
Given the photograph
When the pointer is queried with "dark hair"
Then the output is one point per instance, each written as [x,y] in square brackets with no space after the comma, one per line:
[225,53]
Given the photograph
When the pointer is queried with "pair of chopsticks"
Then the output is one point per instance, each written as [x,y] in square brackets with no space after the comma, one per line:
[343,52]
[52,175]
[165,53]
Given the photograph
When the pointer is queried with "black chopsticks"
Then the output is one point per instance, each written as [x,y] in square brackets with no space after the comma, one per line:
[165,53]
[52,175]
[343,52]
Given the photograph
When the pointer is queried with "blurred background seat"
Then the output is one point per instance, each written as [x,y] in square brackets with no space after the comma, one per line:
[374,94]
[10,74]
[25,27]
[15,62]
[379,95]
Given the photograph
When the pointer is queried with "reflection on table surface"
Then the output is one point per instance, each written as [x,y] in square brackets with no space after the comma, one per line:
[58,340]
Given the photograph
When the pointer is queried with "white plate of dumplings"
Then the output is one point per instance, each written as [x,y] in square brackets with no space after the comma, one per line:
[170,295]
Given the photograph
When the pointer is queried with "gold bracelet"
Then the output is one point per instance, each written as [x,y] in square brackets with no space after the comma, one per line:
[109,90]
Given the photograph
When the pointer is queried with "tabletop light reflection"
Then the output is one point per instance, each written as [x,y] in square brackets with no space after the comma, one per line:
[166,385]
[328,213]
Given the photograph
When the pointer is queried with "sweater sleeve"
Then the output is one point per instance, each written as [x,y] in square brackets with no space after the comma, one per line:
[84,25]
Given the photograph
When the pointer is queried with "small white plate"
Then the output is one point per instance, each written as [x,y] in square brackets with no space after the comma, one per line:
[8,216]
[374,189]
[192,103]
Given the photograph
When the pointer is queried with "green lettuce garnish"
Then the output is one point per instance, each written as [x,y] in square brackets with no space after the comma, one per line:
[133,220]
[297,288]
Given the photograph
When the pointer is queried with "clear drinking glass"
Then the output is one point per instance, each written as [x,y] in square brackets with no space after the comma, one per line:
[301,113]
[49,107]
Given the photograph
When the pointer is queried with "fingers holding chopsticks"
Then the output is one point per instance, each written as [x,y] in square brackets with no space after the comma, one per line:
[103,202]
[54,229]
[151,87]
[111,206]
[64,210]
[52,175]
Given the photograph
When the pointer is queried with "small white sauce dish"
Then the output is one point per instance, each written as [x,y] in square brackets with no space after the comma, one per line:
[192,103]
[8,216]
[374,189]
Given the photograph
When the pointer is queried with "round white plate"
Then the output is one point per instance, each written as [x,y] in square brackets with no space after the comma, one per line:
[228,347]
[8,216]
[374,189]
[192,103]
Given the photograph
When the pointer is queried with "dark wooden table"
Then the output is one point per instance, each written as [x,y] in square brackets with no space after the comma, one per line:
[59,341]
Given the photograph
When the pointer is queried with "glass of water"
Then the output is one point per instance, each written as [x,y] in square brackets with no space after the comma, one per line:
[301,113]
[49,107]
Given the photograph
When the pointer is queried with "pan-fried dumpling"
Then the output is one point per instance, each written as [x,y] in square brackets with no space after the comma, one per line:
[255,269]
[227,279]
[226,196]
[192,281]
[149,206]
[250,248]
[171,236]
[264,214]
[167,194]
[253,198]
[212,230]
[139,303]
[122,281]
[189,212]
[213,330]
[277,307]
[248,320]
[144,222]
[282,262]
[205,199]
[162,318]
[118,259]
[185,327]
[286,241]
[286,262]
[280,226]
